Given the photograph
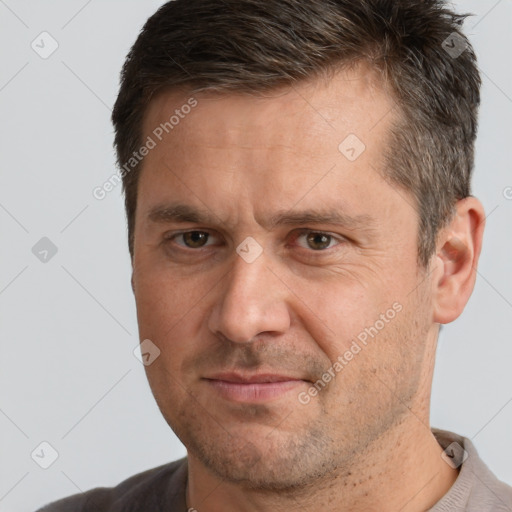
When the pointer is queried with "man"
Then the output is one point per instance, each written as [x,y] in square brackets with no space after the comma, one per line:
[297,183]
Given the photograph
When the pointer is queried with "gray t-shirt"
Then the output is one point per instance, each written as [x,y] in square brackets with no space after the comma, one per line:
[162,489]
[476,488]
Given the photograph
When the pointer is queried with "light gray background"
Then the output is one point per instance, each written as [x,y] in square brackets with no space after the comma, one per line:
[68,326]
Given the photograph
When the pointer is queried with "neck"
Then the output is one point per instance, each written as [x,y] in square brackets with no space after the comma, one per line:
[403,470]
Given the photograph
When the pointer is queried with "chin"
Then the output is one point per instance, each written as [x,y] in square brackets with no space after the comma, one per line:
[261,458]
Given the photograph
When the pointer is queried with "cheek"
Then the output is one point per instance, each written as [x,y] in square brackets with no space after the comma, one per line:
[167,312]
[373,336]
[335,313]
[169,318]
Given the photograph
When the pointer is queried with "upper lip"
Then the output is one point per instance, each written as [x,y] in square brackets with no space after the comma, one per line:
[252,379]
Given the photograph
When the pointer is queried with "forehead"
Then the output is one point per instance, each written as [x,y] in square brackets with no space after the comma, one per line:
[325,137]
[320,111]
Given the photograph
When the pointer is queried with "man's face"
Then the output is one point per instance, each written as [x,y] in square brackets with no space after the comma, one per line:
[246,329]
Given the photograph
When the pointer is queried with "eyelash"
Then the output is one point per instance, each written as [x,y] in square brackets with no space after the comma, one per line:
[300,233]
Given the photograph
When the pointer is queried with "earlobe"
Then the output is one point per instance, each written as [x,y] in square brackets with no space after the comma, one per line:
[458,251]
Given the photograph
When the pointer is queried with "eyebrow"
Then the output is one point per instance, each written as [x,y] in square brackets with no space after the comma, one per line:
[183,213]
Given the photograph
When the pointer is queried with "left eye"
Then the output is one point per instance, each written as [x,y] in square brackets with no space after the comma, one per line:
[193,239]
[317,240]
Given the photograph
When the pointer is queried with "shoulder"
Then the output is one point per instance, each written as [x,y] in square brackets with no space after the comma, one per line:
[476,489]
[153,489]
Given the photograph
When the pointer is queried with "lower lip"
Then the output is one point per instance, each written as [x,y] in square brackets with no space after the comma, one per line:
[253,392]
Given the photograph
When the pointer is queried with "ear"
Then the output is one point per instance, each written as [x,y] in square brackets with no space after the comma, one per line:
[457,252]
[133,284]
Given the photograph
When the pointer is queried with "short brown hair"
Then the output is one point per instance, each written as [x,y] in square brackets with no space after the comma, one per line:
[253,46]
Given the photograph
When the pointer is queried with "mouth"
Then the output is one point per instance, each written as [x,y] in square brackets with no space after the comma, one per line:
[256,388]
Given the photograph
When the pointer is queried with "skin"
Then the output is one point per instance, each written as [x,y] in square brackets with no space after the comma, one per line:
[364,441]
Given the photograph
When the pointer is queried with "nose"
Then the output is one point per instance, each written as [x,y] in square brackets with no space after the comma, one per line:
[251,301]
